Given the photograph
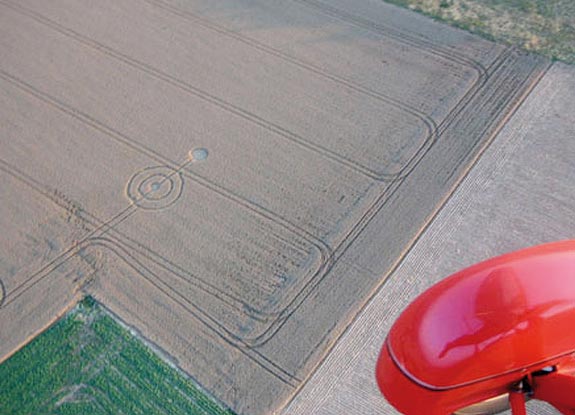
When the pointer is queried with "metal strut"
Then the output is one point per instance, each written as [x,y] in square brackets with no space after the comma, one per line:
[517,401]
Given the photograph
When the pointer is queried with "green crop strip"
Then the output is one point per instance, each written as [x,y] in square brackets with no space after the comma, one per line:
[87,363]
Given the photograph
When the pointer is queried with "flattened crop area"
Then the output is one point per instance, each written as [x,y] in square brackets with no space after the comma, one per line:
[232,178]
[88,364]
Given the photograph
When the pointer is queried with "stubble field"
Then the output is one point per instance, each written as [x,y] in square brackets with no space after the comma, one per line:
[331,134]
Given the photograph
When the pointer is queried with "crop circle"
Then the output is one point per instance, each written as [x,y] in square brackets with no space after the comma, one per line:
[155,187]
[199,154]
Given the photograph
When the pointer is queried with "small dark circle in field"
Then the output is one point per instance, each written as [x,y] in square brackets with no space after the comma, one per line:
[199,154]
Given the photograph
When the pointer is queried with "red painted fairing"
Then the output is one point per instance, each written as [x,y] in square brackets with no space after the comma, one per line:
[499,316]
[477,333]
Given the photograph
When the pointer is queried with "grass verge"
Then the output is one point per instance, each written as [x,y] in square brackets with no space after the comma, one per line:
[543,26]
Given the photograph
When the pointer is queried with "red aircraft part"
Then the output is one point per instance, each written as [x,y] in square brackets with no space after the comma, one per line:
[485,330]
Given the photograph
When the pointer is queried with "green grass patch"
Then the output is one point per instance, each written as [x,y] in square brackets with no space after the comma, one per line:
[87,363]
[543,26]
